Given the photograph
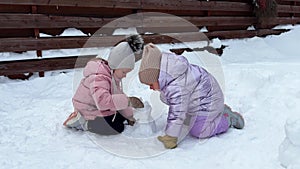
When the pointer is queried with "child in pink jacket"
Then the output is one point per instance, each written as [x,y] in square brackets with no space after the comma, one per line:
[100,106]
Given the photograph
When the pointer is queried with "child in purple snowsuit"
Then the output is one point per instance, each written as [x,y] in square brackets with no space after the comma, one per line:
[193,95]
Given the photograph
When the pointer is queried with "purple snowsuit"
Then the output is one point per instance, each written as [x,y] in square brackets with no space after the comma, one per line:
[194,97]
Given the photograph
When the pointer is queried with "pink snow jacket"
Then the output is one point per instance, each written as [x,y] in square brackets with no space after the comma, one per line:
[190,91]
[95,95]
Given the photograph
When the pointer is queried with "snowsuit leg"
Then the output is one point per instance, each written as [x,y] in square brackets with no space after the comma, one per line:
[105,125]
[202,128]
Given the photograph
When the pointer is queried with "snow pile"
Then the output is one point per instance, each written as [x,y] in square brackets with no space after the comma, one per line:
[289,151]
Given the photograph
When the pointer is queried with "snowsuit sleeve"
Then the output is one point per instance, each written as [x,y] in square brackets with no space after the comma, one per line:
[101,93]
[178,99]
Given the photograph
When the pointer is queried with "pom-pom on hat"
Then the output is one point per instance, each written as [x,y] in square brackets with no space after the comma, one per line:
[123,55]
[150,64]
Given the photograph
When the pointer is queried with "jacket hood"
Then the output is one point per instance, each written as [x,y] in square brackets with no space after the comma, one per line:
[97,66]
[172,67]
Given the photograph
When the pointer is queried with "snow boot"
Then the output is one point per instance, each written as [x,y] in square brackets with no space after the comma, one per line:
[235,119]
[75,120]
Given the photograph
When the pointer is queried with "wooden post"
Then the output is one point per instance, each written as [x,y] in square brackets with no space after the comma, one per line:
[37,35]
[295,3]
[208,13]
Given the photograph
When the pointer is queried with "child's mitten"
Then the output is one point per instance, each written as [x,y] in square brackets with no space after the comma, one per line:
[136,102]
[168,141]
[131,121]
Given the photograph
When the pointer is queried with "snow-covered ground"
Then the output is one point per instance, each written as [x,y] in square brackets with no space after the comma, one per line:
[260,78]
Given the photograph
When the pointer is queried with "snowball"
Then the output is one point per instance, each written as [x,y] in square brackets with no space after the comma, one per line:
[145,125]
[288,153]
[294,166]
[292,130]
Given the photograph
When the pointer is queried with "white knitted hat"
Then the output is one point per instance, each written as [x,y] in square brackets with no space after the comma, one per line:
[123,55]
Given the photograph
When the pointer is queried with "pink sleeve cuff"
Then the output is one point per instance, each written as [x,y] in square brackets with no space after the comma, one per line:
[127,113]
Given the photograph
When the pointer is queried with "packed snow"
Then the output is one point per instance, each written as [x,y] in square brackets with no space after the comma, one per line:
[260,78]
[289,151]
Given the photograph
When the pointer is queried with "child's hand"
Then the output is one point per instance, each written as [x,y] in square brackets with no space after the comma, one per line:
[131,121]
[136,102]
[168,141]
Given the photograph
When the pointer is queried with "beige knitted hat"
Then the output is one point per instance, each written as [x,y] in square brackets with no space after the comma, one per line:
[150,64]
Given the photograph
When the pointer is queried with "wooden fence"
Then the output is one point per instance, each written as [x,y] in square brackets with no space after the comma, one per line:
[22,21]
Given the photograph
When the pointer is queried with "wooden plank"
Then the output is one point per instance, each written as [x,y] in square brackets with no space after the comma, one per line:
[204,21]
[285,2]
[19,67]
[231,13]
[288,9]
[23,21]
[244,33]
[26,44]
[285,20]
[8,33]
[149,24]
[84,11]
[197,5]
[140,4]
[15,9]
[176,12]
[227,28]
[9,21]
[272,22]
[75,3]
[45,64]
[291,0]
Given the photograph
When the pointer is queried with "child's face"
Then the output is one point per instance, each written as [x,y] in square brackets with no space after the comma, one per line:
[154,86]
[121,73]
